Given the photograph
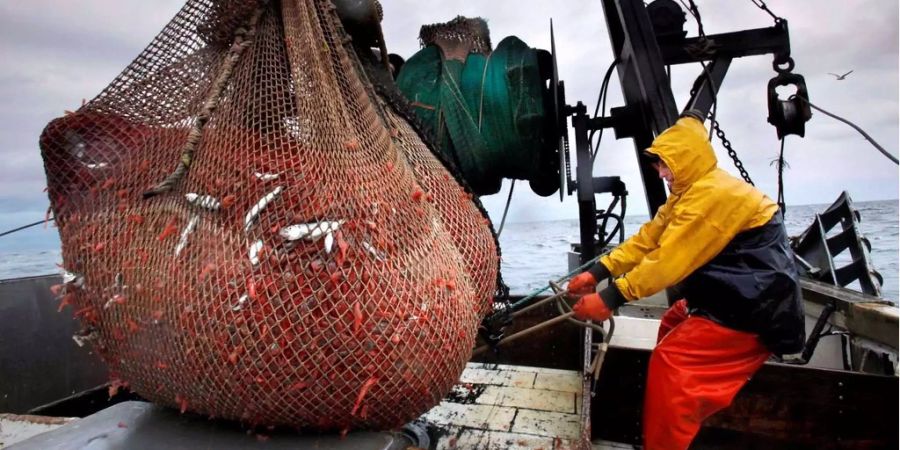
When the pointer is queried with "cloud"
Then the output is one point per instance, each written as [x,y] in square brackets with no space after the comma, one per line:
[57,53]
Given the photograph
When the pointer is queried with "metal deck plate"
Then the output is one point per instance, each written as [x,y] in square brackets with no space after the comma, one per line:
[141,425]
[16,427]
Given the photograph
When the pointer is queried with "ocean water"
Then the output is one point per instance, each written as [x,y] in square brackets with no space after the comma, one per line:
[533,252]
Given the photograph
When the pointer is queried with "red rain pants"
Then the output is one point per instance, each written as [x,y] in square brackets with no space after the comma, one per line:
[696,369]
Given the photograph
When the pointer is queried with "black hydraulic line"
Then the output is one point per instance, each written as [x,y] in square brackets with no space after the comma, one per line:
[620,225]
[505,210]
[620,222]
[816,333]
[602,230]
[845,354]
[614,231]
[604,87]
[50,219]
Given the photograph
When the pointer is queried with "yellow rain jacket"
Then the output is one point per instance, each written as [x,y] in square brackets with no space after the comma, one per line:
[718,237]
[706,210]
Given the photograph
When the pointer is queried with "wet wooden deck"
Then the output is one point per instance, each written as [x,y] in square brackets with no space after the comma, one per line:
[510,407]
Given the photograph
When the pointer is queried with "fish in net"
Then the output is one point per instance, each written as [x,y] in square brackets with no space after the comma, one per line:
[254,229]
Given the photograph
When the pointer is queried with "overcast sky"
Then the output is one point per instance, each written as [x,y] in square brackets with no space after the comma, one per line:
[57,53]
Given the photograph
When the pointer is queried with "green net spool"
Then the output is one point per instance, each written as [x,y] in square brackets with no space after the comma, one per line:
[488,114]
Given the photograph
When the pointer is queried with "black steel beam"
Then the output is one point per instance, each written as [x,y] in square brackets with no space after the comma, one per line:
[760,41]
[584,170]
[703,99]
[645,85]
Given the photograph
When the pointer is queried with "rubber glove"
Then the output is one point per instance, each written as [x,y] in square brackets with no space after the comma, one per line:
[592,307]
[581,284]
[586,282]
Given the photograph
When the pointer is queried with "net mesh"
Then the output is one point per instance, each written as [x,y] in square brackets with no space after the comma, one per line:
[471,33]
[252,230]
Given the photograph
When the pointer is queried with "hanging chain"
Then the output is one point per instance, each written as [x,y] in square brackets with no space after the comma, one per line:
[725,142]
[762,5]
[733,154]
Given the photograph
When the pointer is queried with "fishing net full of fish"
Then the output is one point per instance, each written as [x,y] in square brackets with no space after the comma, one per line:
[252,230]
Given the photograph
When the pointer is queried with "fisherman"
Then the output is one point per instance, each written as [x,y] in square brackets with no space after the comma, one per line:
[721,244]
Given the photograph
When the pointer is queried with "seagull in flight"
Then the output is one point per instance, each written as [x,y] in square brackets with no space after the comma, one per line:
[840,77]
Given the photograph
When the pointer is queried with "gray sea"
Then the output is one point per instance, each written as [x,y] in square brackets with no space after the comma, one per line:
[533,252]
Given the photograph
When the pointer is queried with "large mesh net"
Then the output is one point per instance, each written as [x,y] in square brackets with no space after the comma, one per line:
[252,230]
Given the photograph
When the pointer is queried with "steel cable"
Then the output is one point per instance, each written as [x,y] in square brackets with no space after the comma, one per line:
[860,130]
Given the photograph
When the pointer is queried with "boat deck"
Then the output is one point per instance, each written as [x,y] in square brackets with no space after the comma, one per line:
[510,407]
[492,407]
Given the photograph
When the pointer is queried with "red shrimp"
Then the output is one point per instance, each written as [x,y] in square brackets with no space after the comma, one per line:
[114,386]
[169,230]
[362,394]
[68,299]
[182,403]
[207,269]
[132,326]
[298,386]
[357,318]
[228,201]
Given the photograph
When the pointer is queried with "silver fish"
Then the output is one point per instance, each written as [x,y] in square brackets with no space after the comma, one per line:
[86,335]
[324,228]
[329,242]
[115,299]
[72,278]
[258,207]
[266,176]
[188,229]
[203,201]
[240,303]
[294,232]
[254,251]
[371,249]
[310,231]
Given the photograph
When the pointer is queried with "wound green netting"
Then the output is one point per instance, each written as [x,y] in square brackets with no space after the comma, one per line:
[487,113]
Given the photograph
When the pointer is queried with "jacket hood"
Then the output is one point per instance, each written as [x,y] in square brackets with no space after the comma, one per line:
[685,148]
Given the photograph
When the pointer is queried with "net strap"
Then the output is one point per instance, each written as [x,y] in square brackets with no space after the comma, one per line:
[243,37]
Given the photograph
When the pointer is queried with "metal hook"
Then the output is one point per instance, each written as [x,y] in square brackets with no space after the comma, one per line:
[776,65]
